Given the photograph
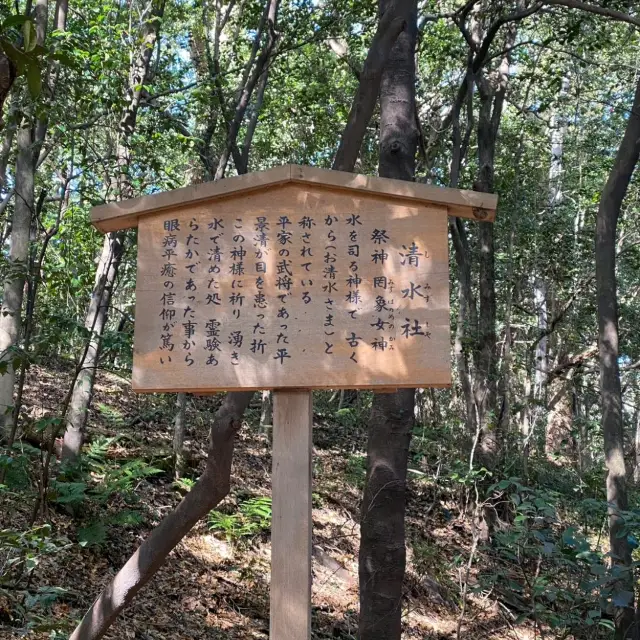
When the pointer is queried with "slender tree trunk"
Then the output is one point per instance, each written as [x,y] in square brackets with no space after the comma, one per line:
[11,312]
[484,388]
[95,322]
[253,122]
[211,488]
[178,436]
[13,292]
[492,92]
[382,556]
[467,318]
[266,413]
[558,128]
[113,245]
[636,426]
[246,92]
[610,390]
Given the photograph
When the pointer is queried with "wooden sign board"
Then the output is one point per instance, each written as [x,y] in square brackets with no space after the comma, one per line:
[288,279]
[293,283]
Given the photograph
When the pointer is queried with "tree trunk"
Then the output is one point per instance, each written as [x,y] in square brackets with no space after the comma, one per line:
[611,393]
[392,22]
[13,292]
[559,440]
[558,128]
[112,250]
[211,488]
[178,436]
[11,313]
[113,245]
[266,413]
[246,92]
[382,556]
[636,440]
[484,387]
[492,92]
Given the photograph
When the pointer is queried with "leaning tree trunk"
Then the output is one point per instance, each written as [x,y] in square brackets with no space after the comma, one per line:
[610,391]
[247,90]
[113,244]
[390,25]
[112,250]
[211,488]
[382,555]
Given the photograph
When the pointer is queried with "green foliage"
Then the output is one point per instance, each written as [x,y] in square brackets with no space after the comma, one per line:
[22,551]
[252,519]
[184,484]
[93,535]
[356,469]
[89,489]
[546,570]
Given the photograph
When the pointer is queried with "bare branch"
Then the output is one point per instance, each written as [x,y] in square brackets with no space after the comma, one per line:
[495,27]
[619,16]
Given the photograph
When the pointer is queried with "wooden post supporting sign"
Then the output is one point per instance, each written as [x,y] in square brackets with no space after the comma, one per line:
[288,278]
[291,521]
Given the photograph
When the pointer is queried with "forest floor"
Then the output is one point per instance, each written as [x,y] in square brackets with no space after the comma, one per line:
[216,582]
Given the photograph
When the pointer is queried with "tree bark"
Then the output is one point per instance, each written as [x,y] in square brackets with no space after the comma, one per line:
[13,292]
[610,390]
[95,321]
[559,440]
[11,312]
[492,92]
[392,21]
[382,556]
[211,488]
[113,245]
[178,436]
[266,412]
[558,128]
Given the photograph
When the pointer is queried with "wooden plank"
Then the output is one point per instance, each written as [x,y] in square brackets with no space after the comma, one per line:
[302,322]
[291,525]
[460,202]
[125,214]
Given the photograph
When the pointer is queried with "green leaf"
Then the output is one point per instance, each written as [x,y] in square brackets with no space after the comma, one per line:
[34,80]
[29,34]
[92,536]
[14,21]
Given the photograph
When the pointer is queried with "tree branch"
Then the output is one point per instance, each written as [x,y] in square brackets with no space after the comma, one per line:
[619,16]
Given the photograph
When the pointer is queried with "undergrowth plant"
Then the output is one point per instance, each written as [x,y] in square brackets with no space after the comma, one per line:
[253,518]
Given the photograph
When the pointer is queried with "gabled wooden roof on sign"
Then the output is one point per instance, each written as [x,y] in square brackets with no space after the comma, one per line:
[466,204]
